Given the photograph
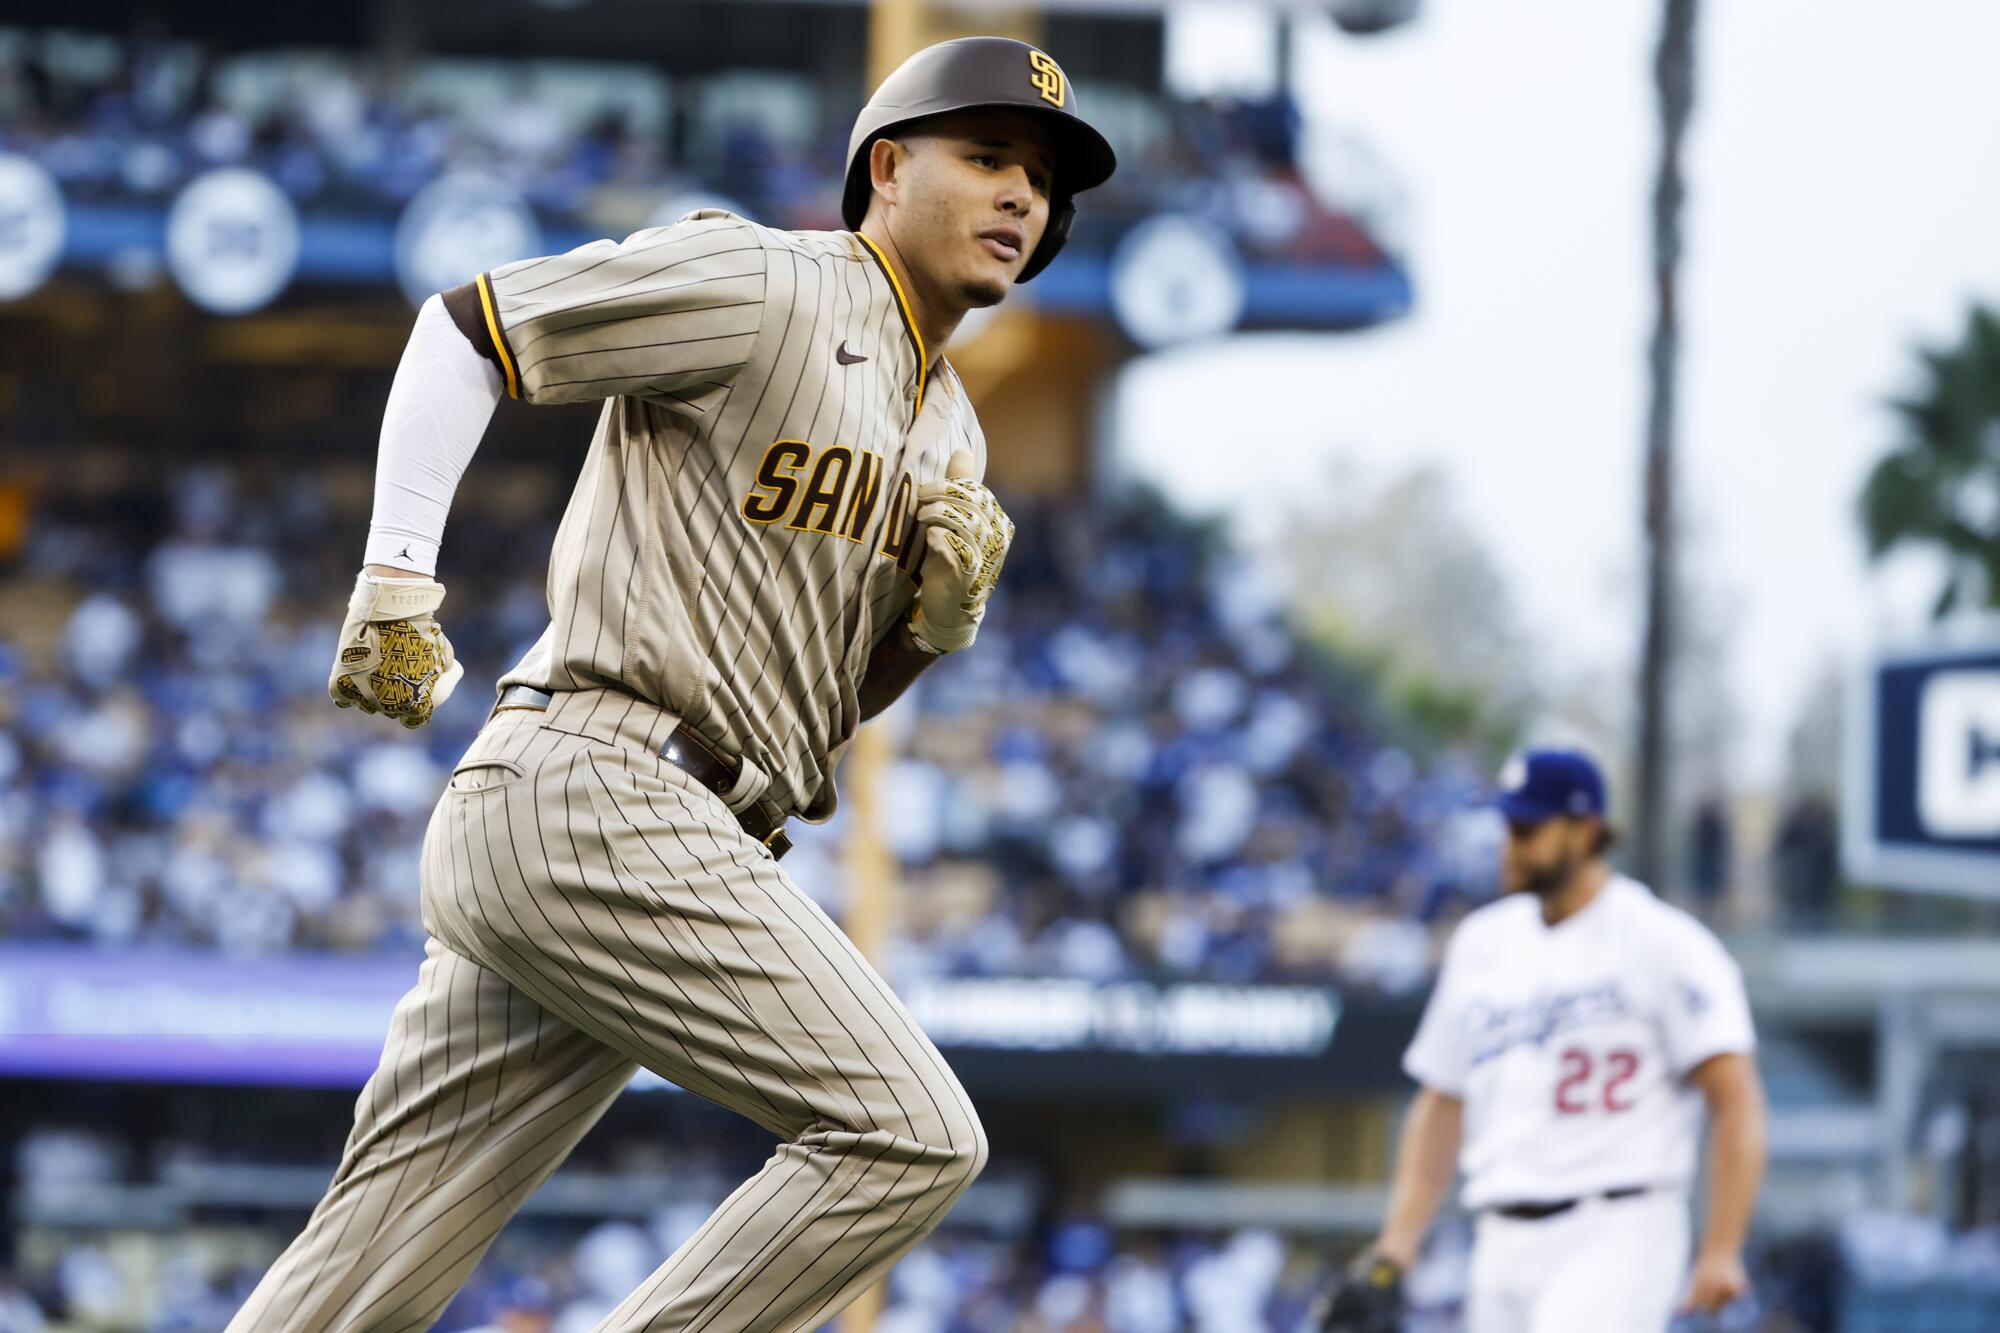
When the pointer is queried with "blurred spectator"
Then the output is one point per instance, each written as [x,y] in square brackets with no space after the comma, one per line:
[520,1305]
[1709,855]
[1807,859]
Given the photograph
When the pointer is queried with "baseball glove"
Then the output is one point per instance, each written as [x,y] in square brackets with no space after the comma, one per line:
[1367,1298]
[392,657]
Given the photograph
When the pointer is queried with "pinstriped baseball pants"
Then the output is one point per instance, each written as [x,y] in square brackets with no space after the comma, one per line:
[592,910]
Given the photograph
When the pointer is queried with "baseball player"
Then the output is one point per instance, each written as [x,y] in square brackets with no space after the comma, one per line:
[1577,1029]
[778,525]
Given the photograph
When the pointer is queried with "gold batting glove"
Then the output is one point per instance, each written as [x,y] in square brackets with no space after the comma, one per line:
[966,536]
[392,657]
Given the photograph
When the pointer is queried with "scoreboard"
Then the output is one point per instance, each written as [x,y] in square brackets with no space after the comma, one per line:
[1921,809]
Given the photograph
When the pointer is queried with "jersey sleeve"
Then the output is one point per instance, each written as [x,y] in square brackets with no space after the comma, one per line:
[668,312]
[1438,1056]
[1704,1010]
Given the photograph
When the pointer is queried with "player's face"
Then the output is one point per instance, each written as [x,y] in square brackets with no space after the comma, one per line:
[1541,858]
[973,201]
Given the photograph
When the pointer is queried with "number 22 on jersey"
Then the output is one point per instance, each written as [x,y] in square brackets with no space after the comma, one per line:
[1586,1083]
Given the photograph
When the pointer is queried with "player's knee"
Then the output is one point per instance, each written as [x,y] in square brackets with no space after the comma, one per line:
[968,1153]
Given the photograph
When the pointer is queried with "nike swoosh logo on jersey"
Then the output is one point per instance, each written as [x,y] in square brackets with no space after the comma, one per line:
[845,357]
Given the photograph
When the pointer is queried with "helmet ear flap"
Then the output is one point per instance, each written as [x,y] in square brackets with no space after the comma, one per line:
[1062,216]
[859,187]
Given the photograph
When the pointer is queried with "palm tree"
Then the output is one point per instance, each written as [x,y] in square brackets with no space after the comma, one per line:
[1940,487]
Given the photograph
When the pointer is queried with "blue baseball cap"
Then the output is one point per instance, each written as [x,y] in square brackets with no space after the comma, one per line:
[1541,785]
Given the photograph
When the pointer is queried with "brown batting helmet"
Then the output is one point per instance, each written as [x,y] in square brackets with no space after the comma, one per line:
[970,72]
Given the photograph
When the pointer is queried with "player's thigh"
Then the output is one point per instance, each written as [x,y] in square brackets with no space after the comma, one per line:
[624,897]
[1625,1270]
[474,1068]
[1500,1288]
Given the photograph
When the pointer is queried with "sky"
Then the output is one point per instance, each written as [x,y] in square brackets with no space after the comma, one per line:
[1843,207]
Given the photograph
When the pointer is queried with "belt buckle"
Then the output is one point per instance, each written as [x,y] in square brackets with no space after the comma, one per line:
[777,842]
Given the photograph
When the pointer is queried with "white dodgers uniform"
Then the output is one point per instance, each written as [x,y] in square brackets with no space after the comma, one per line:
[1570,1046]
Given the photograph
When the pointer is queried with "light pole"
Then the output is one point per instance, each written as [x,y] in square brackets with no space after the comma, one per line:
[1673,81]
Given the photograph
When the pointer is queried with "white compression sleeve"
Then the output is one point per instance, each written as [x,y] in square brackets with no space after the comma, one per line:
[443,397]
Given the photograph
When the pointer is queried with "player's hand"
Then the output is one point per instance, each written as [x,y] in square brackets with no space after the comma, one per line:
[392,658]
[966,536]
[1367,1298]
[1718,1278]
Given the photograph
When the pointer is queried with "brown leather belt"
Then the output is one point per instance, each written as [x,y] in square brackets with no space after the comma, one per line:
[693,756]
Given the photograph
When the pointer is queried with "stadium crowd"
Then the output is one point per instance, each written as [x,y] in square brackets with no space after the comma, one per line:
[988,1270]
[1141,773]
[135,120]
[1137,773]
[1084,1278]
[1048,1267]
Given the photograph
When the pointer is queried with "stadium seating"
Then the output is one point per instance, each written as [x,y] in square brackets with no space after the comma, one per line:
[1138,774]
[134,121]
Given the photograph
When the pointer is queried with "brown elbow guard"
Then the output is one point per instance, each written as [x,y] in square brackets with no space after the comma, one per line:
[462,304]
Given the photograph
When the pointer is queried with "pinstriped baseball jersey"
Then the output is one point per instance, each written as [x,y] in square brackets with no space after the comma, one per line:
[743,530]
